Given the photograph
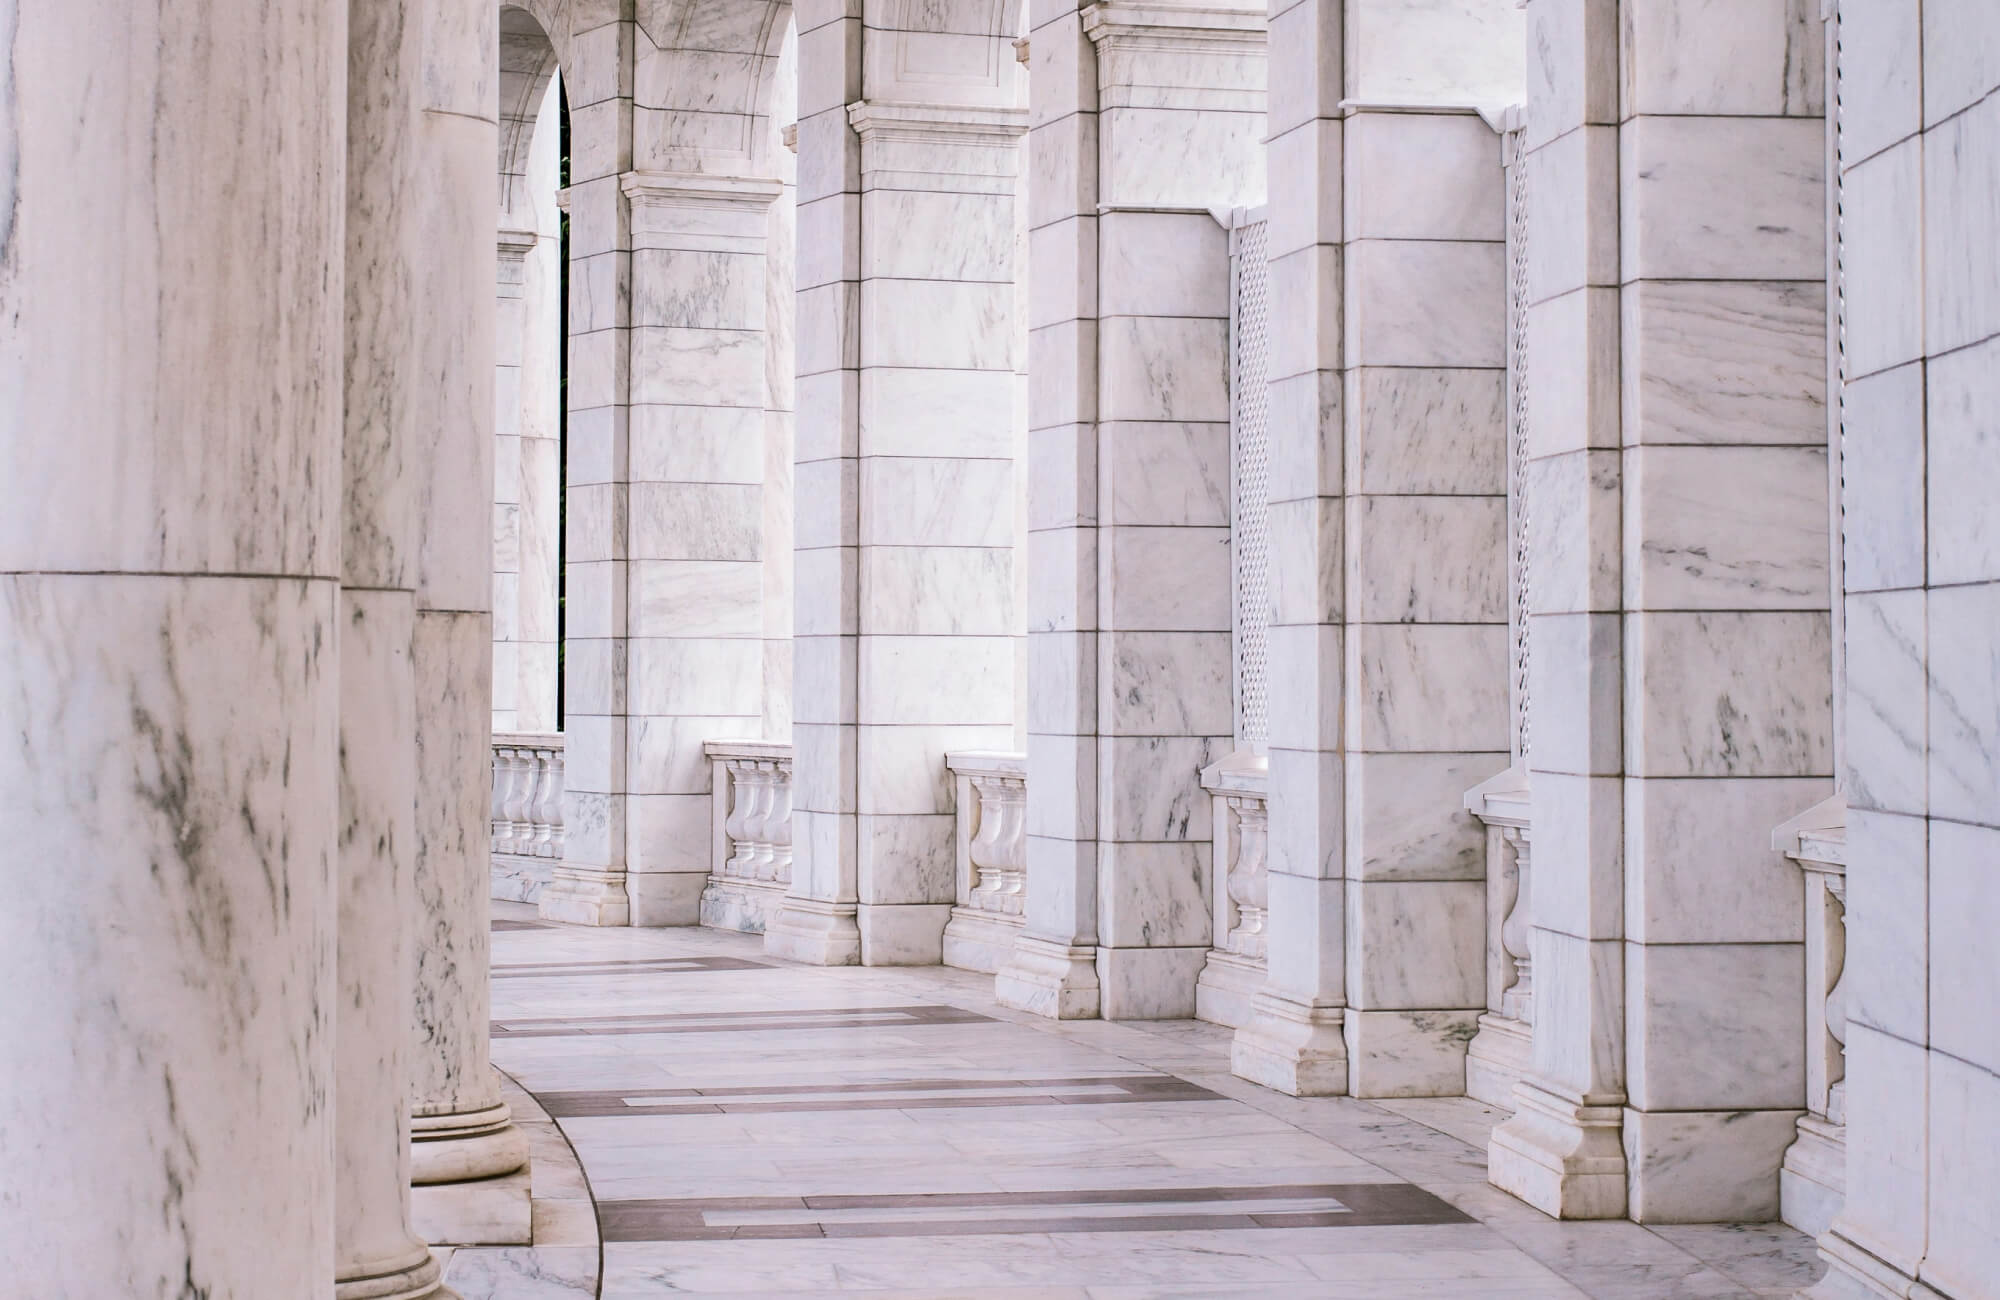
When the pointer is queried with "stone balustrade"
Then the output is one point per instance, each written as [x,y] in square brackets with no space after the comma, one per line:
[1501,1051]
[1239,788]
[750,854]
[1812,1185]
[992,858]
[527,812]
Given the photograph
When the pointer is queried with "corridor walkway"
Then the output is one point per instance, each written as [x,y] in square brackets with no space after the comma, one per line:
[748,1127]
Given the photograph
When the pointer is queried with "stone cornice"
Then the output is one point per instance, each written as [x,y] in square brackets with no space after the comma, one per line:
[935,123]
[699,211]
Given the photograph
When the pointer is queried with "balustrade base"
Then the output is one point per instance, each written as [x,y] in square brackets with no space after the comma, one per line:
[1293,1048]
[580,896]
[1499,1058]
[1564,1158]
[1044,977]
[902,934]
[745,906]
[814,932]
[518,879]
[1227,988]
[1812,1185]
[980,941]
[1407,1053]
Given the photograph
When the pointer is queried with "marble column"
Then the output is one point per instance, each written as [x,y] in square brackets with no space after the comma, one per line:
[1294,1041]
[694,527]
[461,1130]
[1561,1151]
[170,349]
[377,1256]
[588,885]
[904,485]
[1130,611]
[1052,970]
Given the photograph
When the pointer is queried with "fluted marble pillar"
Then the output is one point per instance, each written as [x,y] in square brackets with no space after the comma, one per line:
[460,1129]
[170,218]
[376,1254]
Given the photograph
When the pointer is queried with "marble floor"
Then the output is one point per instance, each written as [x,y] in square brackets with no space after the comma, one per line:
[747,1127]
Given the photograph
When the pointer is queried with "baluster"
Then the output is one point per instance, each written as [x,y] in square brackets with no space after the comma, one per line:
[1515,932]
[548,799]
[1836,999]
[1249,885]
[985,850]
[742,801]
[778,824]
[501,831]
[757,852]
[520,796]
[1012,861]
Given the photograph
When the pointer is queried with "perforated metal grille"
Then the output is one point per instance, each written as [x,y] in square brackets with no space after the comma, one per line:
[1250,477]
[1517,432]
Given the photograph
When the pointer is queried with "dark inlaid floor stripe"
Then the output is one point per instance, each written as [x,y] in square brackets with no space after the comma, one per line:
[501,923]
[736,1022]
[901,1095]
[1153,1209]
[635,966]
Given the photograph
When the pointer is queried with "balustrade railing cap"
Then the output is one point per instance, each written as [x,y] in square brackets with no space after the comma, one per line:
[1816,833]
[528,739]
[778,749]
[987,762]
[1501,799]
[1238,772]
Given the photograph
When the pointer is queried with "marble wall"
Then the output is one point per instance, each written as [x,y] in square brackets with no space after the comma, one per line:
[1919,161]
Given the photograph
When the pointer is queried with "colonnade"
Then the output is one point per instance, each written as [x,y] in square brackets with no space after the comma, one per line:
[1609,464]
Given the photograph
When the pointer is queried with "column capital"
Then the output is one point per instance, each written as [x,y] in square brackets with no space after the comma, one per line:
[1167,55]
[932,146]
[699,211]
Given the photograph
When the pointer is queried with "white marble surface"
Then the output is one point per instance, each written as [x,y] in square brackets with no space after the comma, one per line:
[1733,362]
[1727,528]
[1722,198]
[1689,714]
[1758,58]
[1882,258]
[1962,447]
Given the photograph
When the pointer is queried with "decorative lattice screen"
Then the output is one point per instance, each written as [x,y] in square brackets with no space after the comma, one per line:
[1517,432]
[1250,474]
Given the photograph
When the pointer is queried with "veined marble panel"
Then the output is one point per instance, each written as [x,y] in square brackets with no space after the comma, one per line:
[695,676]
[1886,683]
[693,444]
[1577,879]
[1161,473]
[1713,1027]
[937,323]
[1574,532]
[697,367]
[1964,917]
[1882,496]
[1156,896]
[1572,74]
[1882,204]
[1738,528]
[1572,185]
[1962,448]
[1580,985]
[937,413]
[1416,945]
[1740,58]
[1162,264]
[1167,579]
[1689,712]
[1166,683]
[1404,303]
[697,289]
[1710,874]
[1310,154]
[1064,286]
[1963,1157]
[938,236]
[1308,564]
[1722,198]
[1881,72]
[1402,823]
[1428,431]
[1439,686]
[1961,52]
[1163,368]
[1149,789]
[930,680]
[1451,52]
[1423,559]
[1573,366]
[1964,703]
[695,598]
[936,501]
[1181,157]
[1732,362]
[1422,176]
[695,521]
[905,765]
[1890,1156]
[938,590]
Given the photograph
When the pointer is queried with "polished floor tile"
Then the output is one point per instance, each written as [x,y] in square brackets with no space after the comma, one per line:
[749,1127]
